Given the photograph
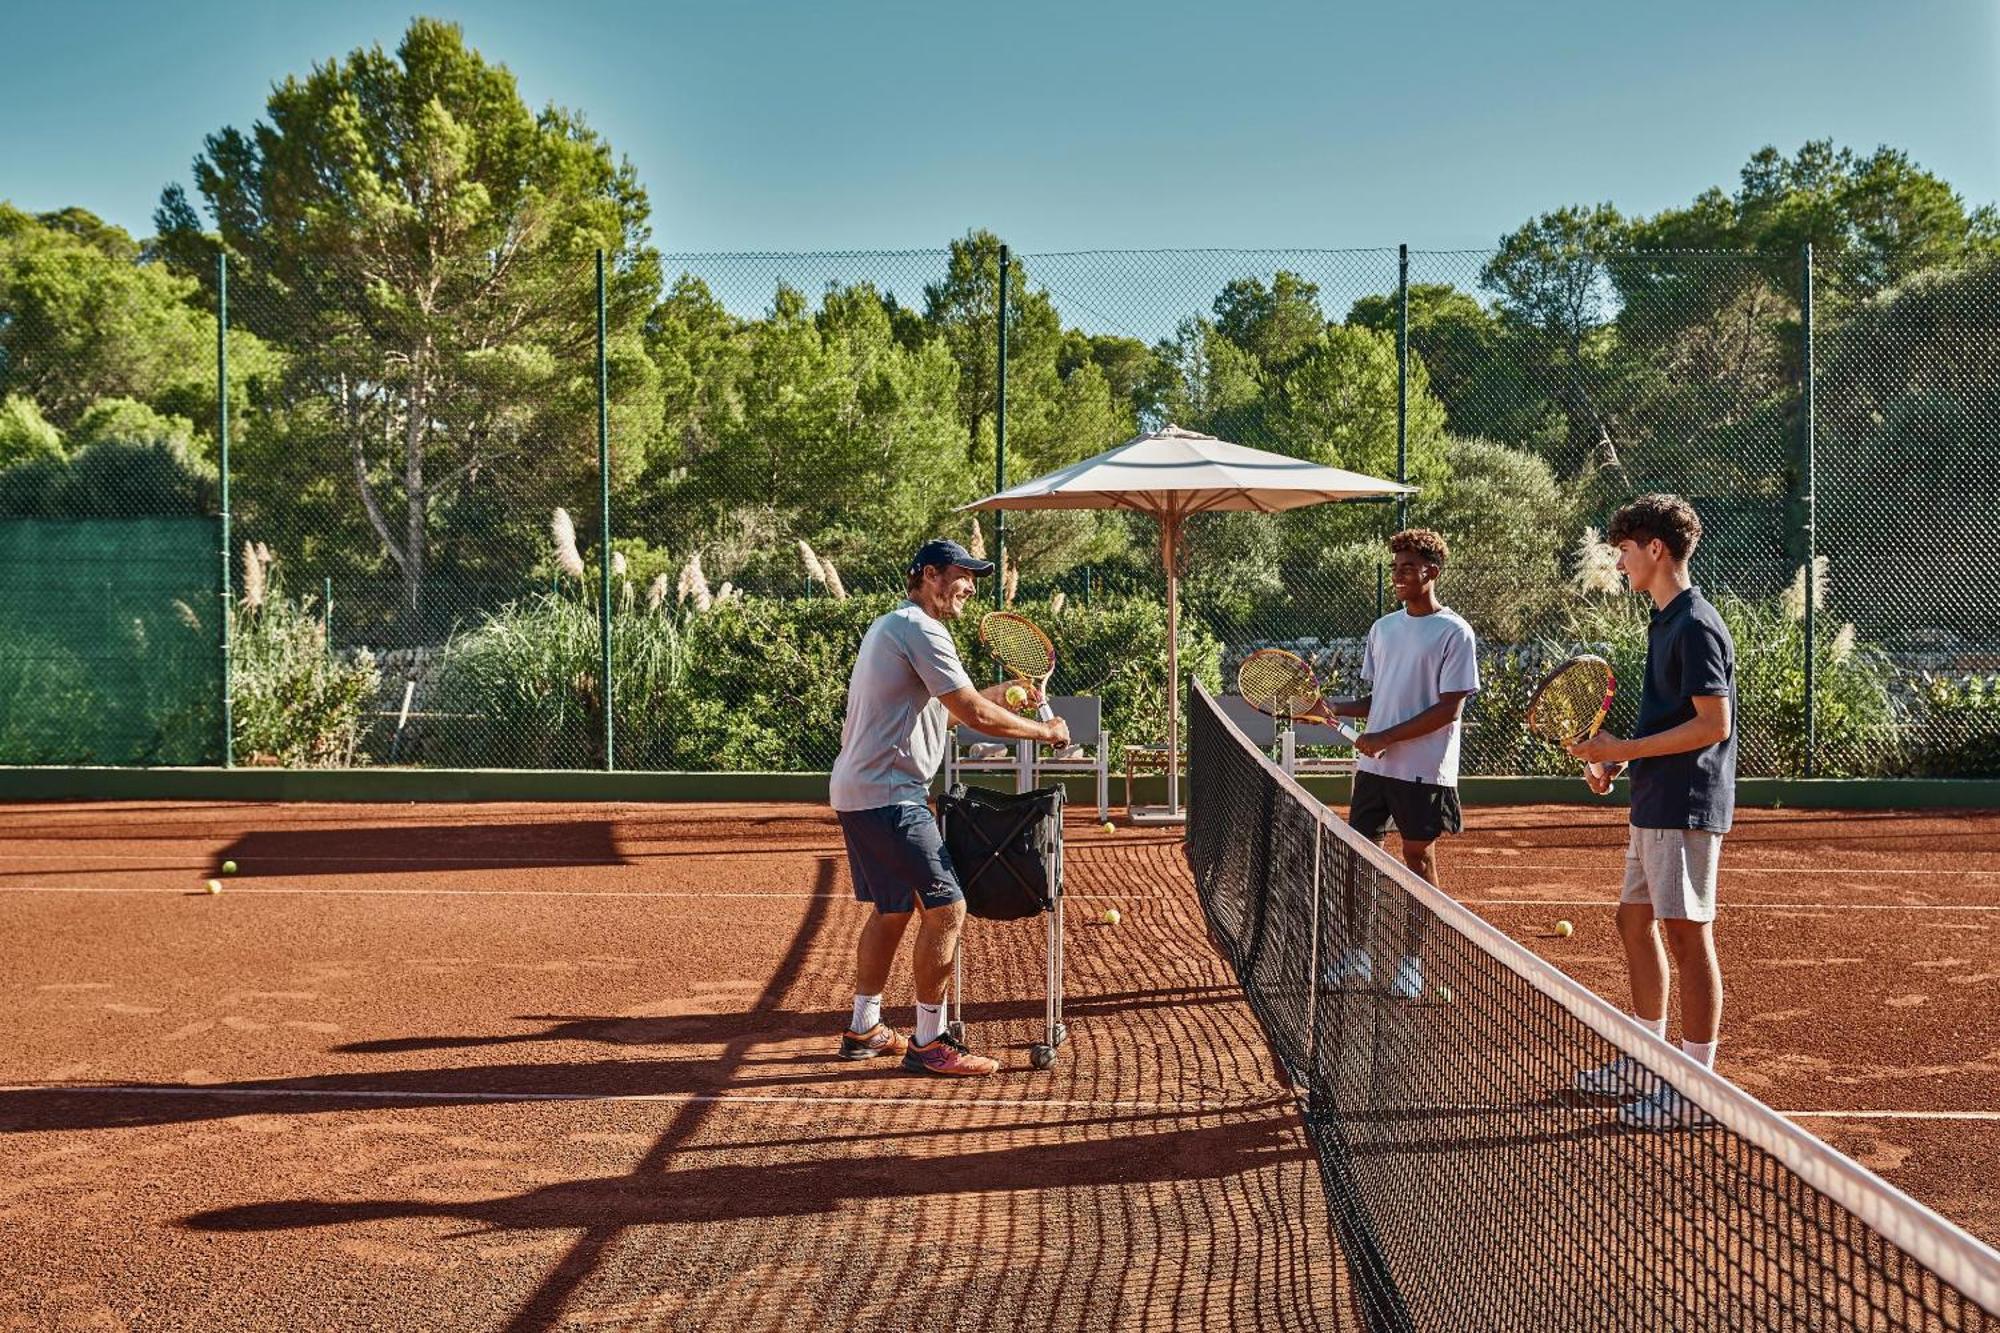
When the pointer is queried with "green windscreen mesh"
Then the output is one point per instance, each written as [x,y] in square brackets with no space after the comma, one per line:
[110,651]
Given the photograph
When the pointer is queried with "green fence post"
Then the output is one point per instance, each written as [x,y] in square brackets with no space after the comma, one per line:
[222,452]
[1000,438]
[604,515]
[326,613]
[1402,384]
[1811,481]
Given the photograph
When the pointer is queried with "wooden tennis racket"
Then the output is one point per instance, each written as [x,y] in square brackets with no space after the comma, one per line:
[1570,704]
[1281,685]
[1024,650]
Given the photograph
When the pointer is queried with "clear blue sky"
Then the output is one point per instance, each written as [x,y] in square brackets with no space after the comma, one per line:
[872,124]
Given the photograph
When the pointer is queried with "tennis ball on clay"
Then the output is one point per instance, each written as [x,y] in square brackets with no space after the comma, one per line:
[1108,826]
[1563,929]
[215,886]
[1016,696]
[1111,917]
[228,867]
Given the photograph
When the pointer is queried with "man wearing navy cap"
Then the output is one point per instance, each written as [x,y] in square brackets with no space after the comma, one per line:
[907,688]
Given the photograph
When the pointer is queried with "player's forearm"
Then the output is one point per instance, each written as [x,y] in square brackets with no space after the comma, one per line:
[1439,715]
[1697,733]
[982,714]
[1357,707]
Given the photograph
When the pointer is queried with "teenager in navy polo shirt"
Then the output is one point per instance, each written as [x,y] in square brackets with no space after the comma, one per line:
[1682,758]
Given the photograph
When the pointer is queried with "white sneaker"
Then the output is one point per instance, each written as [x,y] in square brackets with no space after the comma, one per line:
[1409,982]
[1354,969]
[1618,1079]
[1665,1109]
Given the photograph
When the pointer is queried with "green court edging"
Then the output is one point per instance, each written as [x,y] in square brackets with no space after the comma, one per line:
[433,784]
[399,784]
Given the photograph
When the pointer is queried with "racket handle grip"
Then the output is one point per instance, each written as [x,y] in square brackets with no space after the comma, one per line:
[1349,732]
[1044,712]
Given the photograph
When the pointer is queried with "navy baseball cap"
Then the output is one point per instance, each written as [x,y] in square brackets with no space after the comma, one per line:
[944,551]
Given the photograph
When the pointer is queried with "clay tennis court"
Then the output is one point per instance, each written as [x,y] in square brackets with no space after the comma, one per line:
[540,1067]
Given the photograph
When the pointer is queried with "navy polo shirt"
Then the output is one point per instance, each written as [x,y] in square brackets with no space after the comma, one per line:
[1688,654]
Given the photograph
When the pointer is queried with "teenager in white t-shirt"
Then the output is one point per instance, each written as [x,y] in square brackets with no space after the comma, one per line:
[1421,665]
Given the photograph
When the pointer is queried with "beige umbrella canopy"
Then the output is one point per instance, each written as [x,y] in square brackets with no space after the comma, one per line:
[1171,474]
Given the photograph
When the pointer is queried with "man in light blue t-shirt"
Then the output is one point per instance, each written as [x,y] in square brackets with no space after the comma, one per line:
[1421,665]
[907,688]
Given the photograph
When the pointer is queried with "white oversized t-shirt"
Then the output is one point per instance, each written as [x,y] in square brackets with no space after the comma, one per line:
[893,738]
[1412,662]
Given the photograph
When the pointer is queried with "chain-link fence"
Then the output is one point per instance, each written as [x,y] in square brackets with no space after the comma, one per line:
[415,476]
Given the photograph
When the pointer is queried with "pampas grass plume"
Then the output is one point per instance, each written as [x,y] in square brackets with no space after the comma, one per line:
[564,533]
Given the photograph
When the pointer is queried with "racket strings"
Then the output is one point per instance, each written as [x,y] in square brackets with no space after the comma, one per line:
[1276,682]
[1020,647]
[1565,709]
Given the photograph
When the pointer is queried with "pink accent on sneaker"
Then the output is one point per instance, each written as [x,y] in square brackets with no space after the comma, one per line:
[945,1056]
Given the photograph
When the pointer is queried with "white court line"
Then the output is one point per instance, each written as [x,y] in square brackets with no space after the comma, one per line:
[1891,1115]
[252,890]
[768,1099]
[672,1098]
[260,890]
[1463,859]
[1740,905]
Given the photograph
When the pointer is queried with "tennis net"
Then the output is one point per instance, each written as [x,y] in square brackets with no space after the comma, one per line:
[1471,1185]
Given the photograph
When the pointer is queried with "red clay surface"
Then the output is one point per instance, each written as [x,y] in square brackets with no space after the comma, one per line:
[528,1067]
[531,1068]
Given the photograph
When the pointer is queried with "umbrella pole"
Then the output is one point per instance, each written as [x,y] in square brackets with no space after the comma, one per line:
[1170,531]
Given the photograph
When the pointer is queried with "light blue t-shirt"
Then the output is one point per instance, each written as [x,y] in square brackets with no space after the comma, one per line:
[1411,663]
[893,738]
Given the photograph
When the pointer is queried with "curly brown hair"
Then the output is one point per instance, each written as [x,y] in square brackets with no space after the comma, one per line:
[1422,541]
[1667,519]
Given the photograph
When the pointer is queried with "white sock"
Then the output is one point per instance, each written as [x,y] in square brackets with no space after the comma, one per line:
[1656,1026]
[867,1013]
[930,1022]
[1701,1052]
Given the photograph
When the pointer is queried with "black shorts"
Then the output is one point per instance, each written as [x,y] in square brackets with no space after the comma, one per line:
[1420,811]
[897,856]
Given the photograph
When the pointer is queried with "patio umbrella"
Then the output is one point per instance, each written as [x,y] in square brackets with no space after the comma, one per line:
[1173,474]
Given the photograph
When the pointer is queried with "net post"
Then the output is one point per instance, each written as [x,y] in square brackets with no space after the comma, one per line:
[1000,433]
[1312,968]
[1402,387]
[604,516]
[1810,483]
[222,463]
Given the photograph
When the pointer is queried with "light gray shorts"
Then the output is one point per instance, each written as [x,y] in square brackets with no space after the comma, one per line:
[1674,870]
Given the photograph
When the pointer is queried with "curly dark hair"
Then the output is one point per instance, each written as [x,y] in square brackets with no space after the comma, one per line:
[1667,519]
[1422,541]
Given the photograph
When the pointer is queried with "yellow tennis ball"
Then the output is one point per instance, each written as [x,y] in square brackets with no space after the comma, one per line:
[1111,917]
[1016,696]
[228,867]
[215,886]
[1563,929]
[1108,826]
[1444,992]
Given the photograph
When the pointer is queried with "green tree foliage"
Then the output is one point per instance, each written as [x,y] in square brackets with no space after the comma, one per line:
[1068,396]
[128,421]
[24,433]
[89,317]
[1506,517]
[819,425]
[420,244]
[1552,286]
[1472,369]
[1908,425]
[110,479]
